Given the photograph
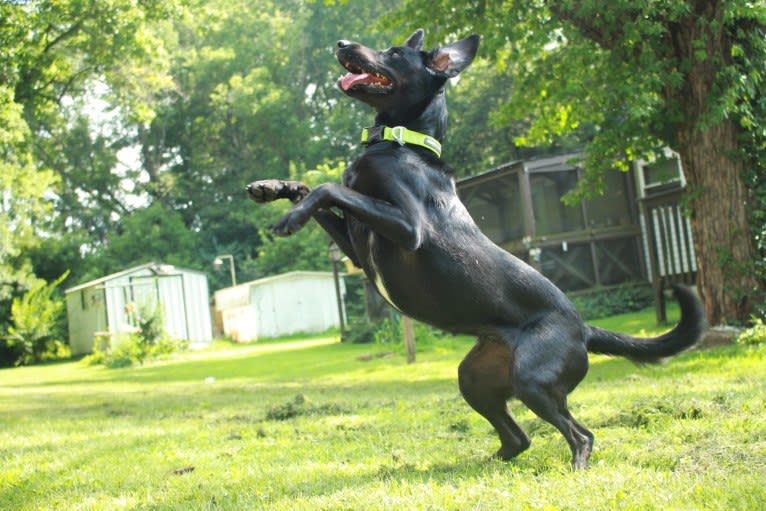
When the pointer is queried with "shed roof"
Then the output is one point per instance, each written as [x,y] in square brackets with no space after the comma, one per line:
[284,276]
[548,164]
[157,268]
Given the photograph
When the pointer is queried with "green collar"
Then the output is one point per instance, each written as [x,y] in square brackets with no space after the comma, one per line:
[400,135]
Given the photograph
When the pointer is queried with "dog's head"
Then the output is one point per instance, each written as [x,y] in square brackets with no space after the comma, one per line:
[401,78]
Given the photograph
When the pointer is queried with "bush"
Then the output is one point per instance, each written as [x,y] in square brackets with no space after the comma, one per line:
[756,334]
[146,343]
[614,301]
[389,332]
[128,349]
[386,331]
[360,332]
[126,352]
[35,315]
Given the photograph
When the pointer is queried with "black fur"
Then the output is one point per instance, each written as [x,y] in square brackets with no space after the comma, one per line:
[401,221]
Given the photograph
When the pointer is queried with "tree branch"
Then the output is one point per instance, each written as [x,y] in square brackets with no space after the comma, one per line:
[66,34]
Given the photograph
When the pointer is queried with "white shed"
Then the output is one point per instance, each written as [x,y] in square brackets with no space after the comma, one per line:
[294,302]
[100,305]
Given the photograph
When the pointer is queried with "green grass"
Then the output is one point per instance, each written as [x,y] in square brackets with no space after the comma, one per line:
[303,424]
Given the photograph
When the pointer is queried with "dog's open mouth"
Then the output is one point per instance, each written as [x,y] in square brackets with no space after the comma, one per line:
[358,77]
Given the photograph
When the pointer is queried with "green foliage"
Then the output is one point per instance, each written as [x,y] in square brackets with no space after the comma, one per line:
[147,342]
[34,317]
[148,319]
[256,98]
[356,308]
[750,72]
[570,70]
[23,205]
[126,350]
[385,331]
[623,299]
[388,333]
[361,331]
[388,330]
[754,335]
[163,237]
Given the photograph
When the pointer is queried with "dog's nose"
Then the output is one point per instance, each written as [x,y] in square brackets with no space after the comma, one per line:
[344,44]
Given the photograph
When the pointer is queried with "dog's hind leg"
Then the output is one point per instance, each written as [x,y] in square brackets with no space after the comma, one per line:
[485,382]
[337,228]
[545,370]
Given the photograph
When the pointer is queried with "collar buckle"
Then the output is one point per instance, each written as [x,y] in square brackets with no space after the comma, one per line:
[397,132]
[372,135]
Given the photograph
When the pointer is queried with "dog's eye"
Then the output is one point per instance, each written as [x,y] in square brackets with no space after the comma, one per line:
[395,52]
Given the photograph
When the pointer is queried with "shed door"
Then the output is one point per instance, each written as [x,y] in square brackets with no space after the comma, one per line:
[143,293]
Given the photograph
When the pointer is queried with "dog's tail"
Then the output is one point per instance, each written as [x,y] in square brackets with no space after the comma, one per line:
[649,350]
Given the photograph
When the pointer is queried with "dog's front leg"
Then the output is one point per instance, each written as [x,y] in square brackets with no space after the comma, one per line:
[400,224]
[269,190]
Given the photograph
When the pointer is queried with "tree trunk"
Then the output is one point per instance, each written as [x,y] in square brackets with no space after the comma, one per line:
[710,156]
[722,241]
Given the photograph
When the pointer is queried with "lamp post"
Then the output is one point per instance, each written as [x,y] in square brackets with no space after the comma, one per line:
[336,256]
[218,263]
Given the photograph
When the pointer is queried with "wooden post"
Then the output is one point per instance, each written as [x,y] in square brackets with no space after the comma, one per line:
[409,338]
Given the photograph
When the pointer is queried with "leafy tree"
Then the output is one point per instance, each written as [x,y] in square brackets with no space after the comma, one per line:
[646,74]
[22,202]
[50,54]
[254,98]
[478,139]
[154,233]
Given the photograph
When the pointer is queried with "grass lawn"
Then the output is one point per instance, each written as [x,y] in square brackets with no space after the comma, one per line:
[302,424]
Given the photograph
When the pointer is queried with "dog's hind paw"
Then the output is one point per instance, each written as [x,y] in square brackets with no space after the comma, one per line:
[507,453]
[269,190]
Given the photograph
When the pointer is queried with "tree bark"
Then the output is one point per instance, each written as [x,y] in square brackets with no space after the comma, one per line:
[722,241]
[711,158]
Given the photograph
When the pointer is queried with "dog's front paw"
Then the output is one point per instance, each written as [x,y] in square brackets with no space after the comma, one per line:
[264,191]
[290,223]
[269,190]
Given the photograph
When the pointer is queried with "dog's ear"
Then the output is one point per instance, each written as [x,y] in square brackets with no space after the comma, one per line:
[415,41]
[449,61]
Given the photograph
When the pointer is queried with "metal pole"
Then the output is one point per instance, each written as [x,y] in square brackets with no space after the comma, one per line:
[231,270]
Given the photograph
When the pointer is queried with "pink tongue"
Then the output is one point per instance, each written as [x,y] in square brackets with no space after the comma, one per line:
[350,79]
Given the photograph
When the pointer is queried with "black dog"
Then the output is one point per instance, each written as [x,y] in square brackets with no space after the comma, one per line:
[402,222]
